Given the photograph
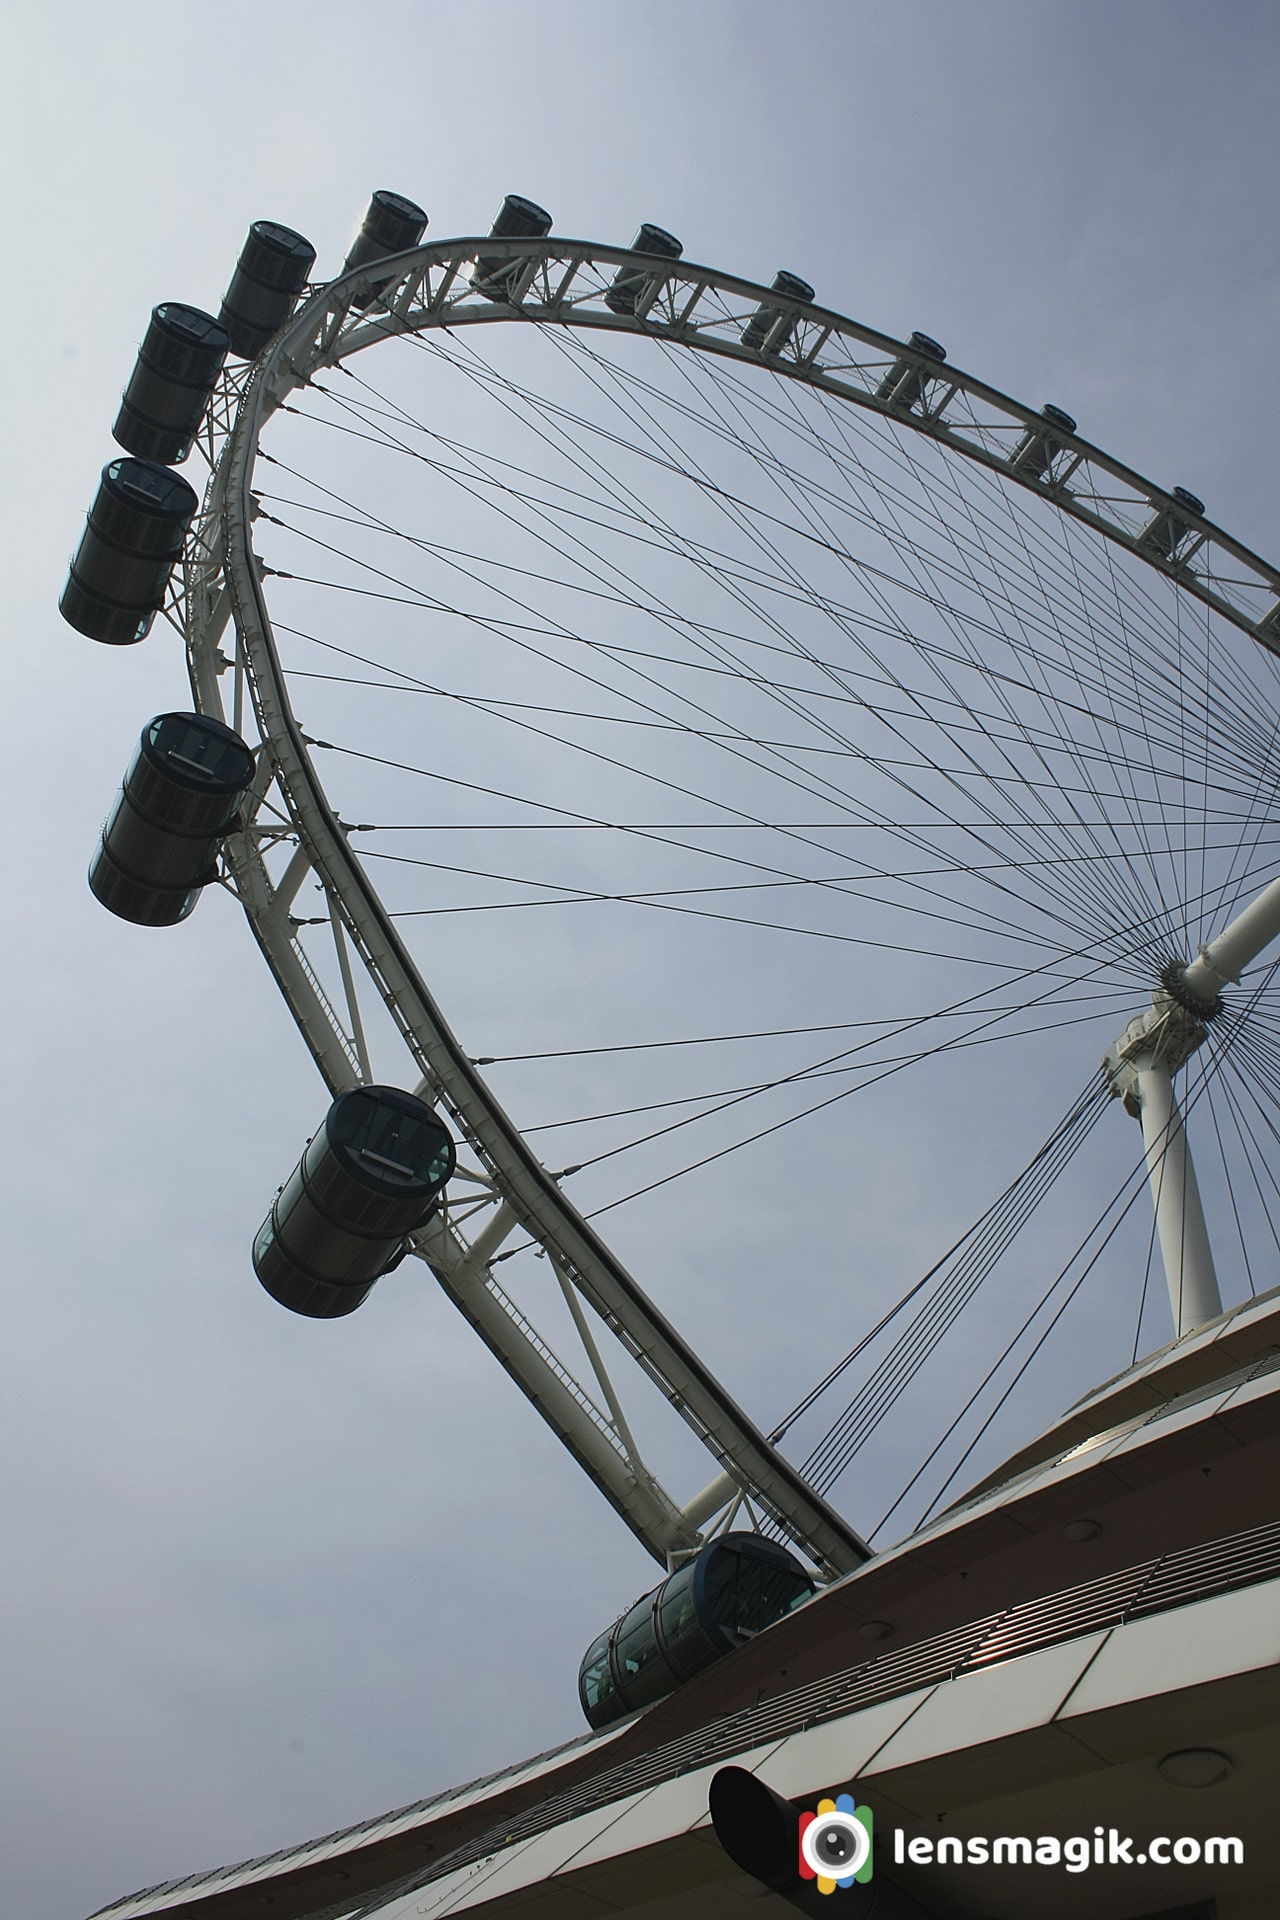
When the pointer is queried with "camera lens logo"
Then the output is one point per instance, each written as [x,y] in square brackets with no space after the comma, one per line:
[835,1844]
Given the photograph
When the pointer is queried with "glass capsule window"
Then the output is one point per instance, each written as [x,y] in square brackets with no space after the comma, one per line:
[595,1682]
[687,1646]
[746,1593]
[136,480]
[642,1673]
[282,239]
[195,745]
[733,1589]
[189,325]
[393,1140]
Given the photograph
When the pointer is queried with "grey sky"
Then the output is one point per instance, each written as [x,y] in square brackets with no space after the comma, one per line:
[262,1581]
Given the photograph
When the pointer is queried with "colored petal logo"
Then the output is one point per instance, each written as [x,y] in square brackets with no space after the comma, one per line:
[835,1844]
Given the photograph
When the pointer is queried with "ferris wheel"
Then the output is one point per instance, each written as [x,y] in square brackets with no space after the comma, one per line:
[881,721]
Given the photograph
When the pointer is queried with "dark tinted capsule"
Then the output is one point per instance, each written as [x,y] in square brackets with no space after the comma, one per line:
[270,274]
[630,287]
[392,225]
[180,797]
[516,219]
[177,366]
[135,531]
[1036,450]
[769,328]
[1166,530]
[371,1176]
[906,380]
[733,1589]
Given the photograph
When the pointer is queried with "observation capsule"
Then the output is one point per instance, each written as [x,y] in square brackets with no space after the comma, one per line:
[180,797]
[1166,530]
[735,1587]
[134,533]
[516,219]
[1037,449]
[630,288]
[270,274]
[392,225]
[369,1178]
[178,362]
[768,329]
[906,380]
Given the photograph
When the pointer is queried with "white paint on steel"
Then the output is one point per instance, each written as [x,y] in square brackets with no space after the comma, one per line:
[696,306]
[1184,1240]
[1223,960]
[564,282]
[530,1191]
[1140,1068]
[710,1501]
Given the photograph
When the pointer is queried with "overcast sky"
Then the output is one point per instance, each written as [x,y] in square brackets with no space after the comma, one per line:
[261,1583]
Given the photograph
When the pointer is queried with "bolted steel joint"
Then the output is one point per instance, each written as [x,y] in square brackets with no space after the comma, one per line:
[1166,1035]
[1173,979]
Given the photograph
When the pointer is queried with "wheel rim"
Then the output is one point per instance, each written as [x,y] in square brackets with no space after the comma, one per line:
[566,282]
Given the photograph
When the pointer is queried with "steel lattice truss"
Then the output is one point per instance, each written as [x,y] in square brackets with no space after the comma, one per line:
[291,832]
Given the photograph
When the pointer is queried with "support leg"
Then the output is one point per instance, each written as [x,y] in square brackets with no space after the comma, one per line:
[1184,1240]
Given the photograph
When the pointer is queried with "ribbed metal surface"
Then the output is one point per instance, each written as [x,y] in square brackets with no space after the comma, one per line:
[1062,1616]
[1152,1586]
[1136,1592]
[1211,1389]
[259,1868]
[924,1664]
[1195,1573]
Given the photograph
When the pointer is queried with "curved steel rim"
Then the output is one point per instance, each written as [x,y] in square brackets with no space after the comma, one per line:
[563,282]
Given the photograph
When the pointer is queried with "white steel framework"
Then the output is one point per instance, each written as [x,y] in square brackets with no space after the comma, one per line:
[1140,1068]
[503,1187]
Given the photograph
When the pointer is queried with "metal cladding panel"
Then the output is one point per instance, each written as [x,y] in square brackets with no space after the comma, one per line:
[1216,1568]
[991,1703]
[1219,1567]
[1104,1602]
[1230,1632]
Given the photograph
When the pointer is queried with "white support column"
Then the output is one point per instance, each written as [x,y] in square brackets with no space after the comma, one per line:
[605,1384]
[711,1500]
[1139,1067]
[1221,963]
[349,988]
[1184,1239]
